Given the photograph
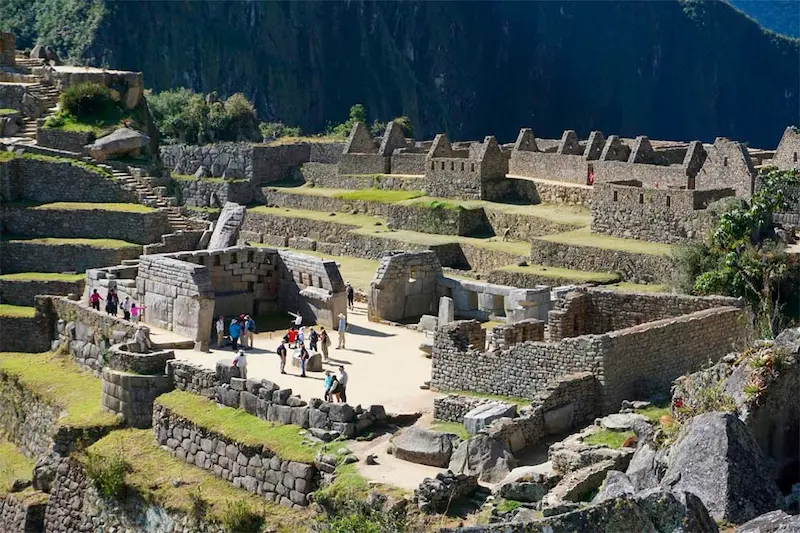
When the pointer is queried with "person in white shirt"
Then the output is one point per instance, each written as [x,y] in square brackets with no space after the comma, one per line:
[343,383]
[240,362]
[220,330]
[298,318]
[126,308]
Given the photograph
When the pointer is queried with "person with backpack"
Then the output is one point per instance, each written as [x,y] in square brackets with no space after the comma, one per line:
[350,295]
[249,331]
[112,302]
[304,357]
[282,354]
[240,362]
[313,339]
[324,341]
[126,308]
[235,331]
[328,383]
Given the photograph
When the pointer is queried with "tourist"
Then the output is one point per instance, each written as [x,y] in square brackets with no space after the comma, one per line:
[324,341]
[350,295]
[291,337]
[313,338]
[304,356]
[301,336]
[343,383]
[240,362]
[94,300]
[328,383]
[342,328]
[126,308]
[298,319]
[220,330]
[335,390]
[112,302]
[282,354]
[235,330]
[136,312]
[249,331]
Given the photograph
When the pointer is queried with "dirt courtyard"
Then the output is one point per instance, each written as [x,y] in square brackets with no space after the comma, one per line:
[384,364]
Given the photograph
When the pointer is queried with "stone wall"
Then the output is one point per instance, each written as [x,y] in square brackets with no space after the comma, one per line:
[175,242]
[453,407]
[404,286]
[31,256]
[628,363]
[312,286]
[325,175]
[192,378]
[637,267]
[22,292]
[139,228]
[275,163]
[441,220]
[22,512]
[286,198]
[7,49]
[728,166]
[532,280]
[23,334]
[33,180]
[787,155]
[214,192]
[256,469]
[25,419]
[132,395]
[70,141]
[226,160]
[626,209]
[17,96]
[502,337]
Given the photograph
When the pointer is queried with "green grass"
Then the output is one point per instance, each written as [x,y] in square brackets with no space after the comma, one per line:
[154,471]
[16,311]
[59,381]
[74,162]
[8,111]
[504,506]
[522,402]
[106,244]
[625,286]
[655,412]
[451,427]
[385,196]
[555,272]
[307,138]
[611,439]
[41,276]
[240,426]
[584,237]
[7,156]
[189,177]
[88,206]
[13,466]
[348,485]
[357,271]
[99,125]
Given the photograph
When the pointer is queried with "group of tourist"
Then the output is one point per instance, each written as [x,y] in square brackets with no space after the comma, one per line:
[130,311]
[241,329]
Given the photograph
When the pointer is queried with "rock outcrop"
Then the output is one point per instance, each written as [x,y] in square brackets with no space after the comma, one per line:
[123,141]
[483,456]
[423,446]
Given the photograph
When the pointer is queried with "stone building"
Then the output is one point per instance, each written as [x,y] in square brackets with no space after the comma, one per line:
[787,155]
[464,173]
[391,154]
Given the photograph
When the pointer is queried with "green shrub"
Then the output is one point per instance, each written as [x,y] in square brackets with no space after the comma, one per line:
[87,101]
[239,517]
[107,474]
[276,130]
[357,517]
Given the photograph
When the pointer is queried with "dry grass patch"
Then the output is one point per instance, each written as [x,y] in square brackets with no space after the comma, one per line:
[87,206]
[13,466]
[106,244]
[16,311]
[555,272]
[584,237]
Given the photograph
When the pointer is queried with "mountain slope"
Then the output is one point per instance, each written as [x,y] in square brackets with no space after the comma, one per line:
[668,69]
[780,16]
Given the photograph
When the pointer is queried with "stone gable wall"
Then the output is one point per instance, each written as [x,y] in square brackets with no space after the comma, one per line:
[453,177]
[45,182]
[404,286]
[257,470]
[787,155]
[139,228]
[325,175]
[728,165]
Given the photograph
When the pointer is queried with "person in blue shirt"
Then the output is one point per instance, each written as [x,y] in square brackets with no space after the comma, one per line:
[235,330]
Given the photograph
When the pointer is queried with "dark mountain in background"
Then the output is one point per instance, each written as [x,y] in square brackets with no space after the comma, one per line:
[780,16]
[668,69]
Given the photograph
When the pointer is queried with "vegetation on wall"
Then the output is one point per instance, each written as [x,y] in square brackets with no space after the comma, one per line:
[744,257]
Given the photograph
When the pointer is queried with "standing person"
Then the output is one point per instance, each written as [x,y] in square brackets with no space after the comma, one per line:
[342,328]
[298,319]
[282,354]
[328,383]
[94,300]
[235,330]
[126,308]
[313,339]
[335,390]
[113,298]
[240,362]
[324,341]
[303,358]
[249,330]
[292,336]
[343,377]
[136,312]
[301,336]
[350,295]
[220,330]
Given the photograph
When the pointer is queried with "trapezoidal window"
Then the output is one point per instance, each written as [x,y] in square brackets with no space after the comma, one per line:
[668,201]
[641,198]
[452,165]
[795,157]
[462,163]
[442,165]
[615,196]
[412,275]
[724,161]
[433,165]
[472,167]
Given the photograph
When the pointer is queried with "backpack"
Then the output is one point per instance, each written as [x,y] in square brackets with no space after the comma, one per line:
[251,325]
[314,336]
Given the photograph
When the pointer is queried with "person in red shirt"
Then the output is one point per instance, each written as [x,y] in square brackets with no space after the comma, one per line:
[292,334]
[94,300]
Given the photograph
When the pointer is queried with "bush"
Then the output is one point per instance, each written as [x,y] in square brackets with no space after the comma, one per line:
[276,130]
[357,517]
[238,517]
[107,474]
[87,101]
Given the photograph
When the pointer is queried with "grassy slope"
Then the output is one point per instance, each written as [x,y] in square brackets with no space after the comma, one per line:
[240,426]
[13,466]
[108,244]
[17,311]
[153,471]
[577,275]
[60,381]
[41,276]
[583,237]
[451,427]
[625,286]
[87,206]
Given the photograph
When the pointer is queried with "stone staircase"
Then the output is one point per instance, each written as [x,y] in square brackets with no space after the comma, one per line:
[48,95]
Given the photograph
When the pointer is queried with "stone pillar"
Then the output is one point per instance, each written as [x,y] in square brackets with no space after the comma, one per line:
[7,45]
[447,310]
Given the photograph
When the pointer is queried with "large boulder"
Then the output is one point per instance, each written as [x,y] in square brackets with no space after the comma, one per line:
[483,415]
[616,485]
[718,460]
[645,469]
[483,456]
[226,230]
[424,446]
[123,141]
[772,522]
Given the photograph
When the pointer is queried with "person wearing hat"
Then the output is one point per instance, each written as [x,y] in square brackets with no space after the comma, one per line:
[328,383]
[324,342]
[235,331]
[249,331]
[341,329]
[240,362]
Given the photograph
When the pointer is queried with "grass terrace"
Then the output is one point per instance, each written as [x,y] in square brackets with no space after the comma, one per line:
[13,466]
[307,139]
[107,244]
[625,286]
[87,206]
[240,426]
[611,439]
[555,272]
[384,196]
[522,402]
[584,237]
[5,111]
[74,162]
[41,276]
[154,471]
[451,427]
[16,311]
[59,381]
